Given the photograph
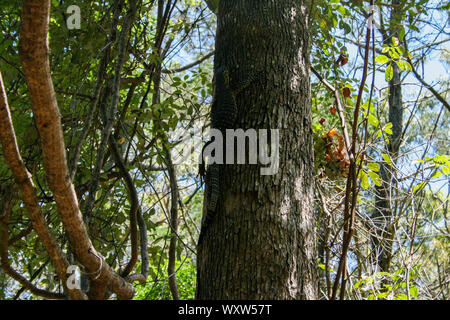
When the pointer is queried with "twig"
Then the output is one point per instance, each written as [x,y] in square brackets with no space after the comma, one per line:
[339,107]
[421,80]
[352,188]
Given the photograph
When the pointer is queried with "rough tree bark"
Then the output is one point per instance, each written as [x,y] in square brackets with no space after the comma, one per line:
[260,244]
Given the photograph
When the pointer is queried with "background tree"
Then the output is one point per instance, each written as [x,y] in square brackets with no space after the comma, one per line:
[403,249]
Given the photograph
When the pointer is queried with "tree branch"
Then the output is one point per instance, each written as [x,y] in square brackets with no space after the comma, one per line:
[352,188]
[425,84]
[134,212]
[173,224]
[28,191]
[33,49]
[141,78]
[13,273]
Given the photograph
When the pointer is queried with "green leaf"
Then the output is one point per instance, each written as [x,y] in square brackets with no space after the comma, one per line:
[375,167]
[387,158]
[401,296]
[402,33]
[375,178]
[383,294]
[341,10]
[413,27]
[364,180]
[373,120]
[399,50]
[437,174]
[402,64]
[367,107]
[387,128]
[418,187]
[389,73]
[394,54]
[378,134]
[414,291]
[382,59]
[359,283]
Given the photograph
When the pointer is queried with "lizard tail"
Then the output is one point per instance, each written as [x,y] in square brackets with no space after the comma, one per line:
[215,188]
[213,197]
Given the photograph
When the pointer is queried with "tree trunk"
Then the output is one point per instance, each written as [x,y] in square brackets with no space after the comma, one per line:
[384,194]
[260,243]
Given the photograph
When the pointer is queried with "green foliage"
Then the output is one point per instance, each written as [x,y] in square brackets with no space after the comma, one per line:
[158,287]
[396,55]
[441,163]
[75,56]
[399,285]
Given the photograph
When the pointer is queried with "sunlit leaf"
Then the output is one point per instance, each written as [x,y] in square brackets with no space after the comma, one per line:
[387,158]
[389,73]
[382,59]
[364,180]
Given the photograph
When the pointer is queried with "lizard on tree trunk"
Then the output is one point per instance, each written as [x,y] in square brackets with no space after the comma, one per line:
[223,116]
